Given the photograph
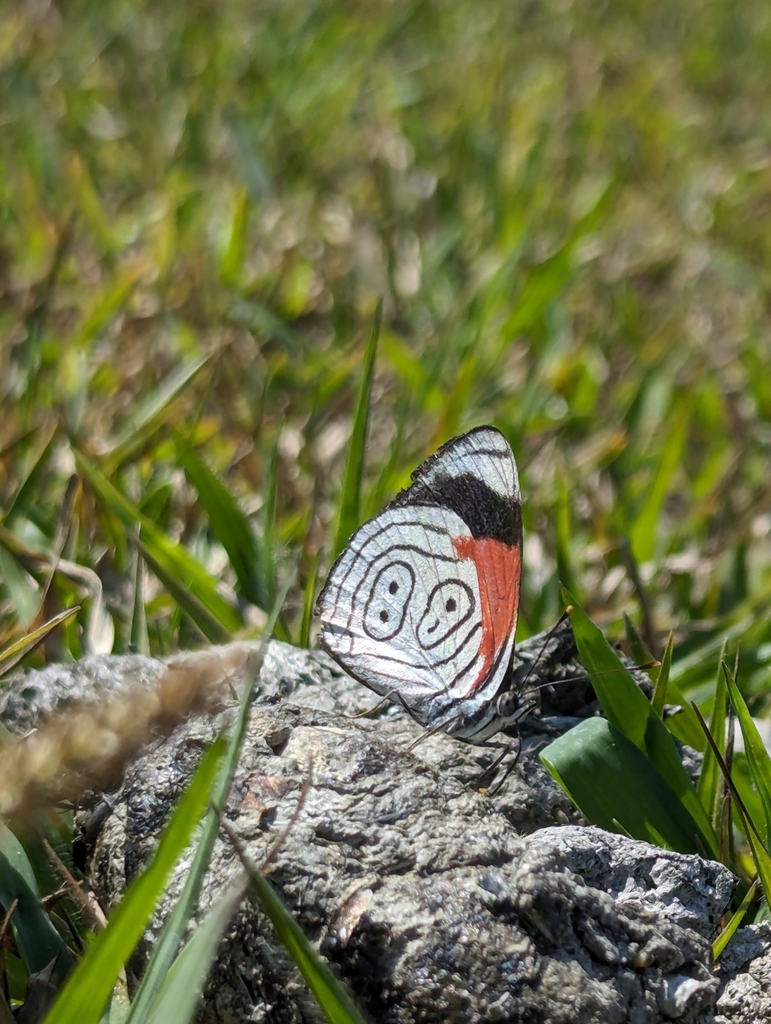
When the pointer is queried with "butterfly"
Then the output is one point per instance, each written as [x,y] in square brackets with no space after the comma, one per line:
[421,606]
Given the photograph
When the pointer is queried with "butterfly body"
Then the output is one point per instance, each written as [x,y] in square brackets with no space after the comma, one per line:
[422,604]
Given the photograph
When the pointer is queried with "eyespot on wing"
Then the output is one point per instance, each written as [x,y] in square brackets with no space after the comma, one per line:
[386,605]
[450,604]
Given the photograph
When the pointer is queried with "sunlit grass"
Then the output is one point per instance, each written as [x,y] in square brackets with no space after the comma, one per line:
[565,212]
[568,239]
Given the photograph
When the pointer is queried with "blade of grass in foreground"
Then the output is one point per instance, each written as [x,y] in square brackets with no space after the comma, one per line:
[25,493]
[87,990]
[614,784]
[640,653]
[178,999]
[629,710]
[729,931]
[176,923]
[683,725]
[758,760]
[39,942]
[165,569]
[350,502]
[331,996]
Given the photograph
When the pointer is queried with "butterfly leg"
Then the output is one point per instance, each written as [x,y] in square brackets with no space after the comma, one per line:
[489,772]
[388,698]
[424,735]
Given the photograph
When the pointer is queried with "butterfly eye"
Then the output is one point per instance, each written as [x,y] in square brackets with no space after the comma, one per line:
[509,705]
[450,604]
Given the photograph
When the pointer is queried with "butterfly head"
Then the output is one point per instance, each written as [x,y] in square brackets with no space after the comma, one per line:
[512,707]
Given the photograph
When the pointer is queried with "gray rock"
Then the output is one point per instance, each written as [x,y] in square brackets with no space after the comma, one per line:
[530,797]
[745,969]
[433,902]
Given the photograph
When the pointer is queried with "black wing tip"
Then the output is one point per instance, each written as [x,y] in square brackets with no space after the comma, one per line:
[406,497]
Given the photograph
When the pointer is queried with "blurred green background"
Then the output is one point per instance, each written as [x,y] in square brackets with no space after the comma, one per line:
[566,208]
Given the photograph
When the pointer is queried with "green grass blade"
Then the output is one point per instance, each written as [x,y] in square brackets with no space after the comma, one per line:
[627,708]
[659,698]
[174,928]
[268,549]
[231,263]
[331,996]
[309,603]
[350,503]
[631,797]
[562,535]
[139,638]
[725,936]
[174,561]
[684,725]
[152,412]
[23,595]
[760,853]
[38,941]
[637,648]
[165,568]
[622,700]
[643,532]
[13,850]
[25,493]
[178,999]
[85,995]
[111,299]
[711,788]
[758,759]
[229,525]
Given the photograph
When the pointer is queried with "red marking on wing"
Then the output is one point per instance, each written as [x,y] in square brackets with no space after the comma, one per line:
[498,569]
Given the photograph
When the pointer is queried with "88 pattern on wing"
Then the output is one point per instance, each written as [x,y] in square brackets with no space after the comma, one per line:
[422,604]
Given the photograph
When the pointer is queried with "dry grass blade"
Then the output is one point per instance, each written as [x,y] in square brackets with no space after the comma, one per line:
[88,746]
[13,654]
[73,888]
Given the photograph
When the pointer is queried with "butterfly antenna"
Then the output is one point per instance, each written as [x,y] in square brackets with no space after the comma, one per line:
[565,615]
[606,672]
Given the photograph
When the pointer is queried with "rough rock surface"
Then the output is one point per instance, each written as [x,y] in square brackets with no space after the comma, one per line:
[434,902]
[745,969]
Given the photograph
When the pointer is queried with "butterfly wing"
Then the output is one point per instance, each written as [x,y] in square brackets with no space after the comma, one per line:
[424,599]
